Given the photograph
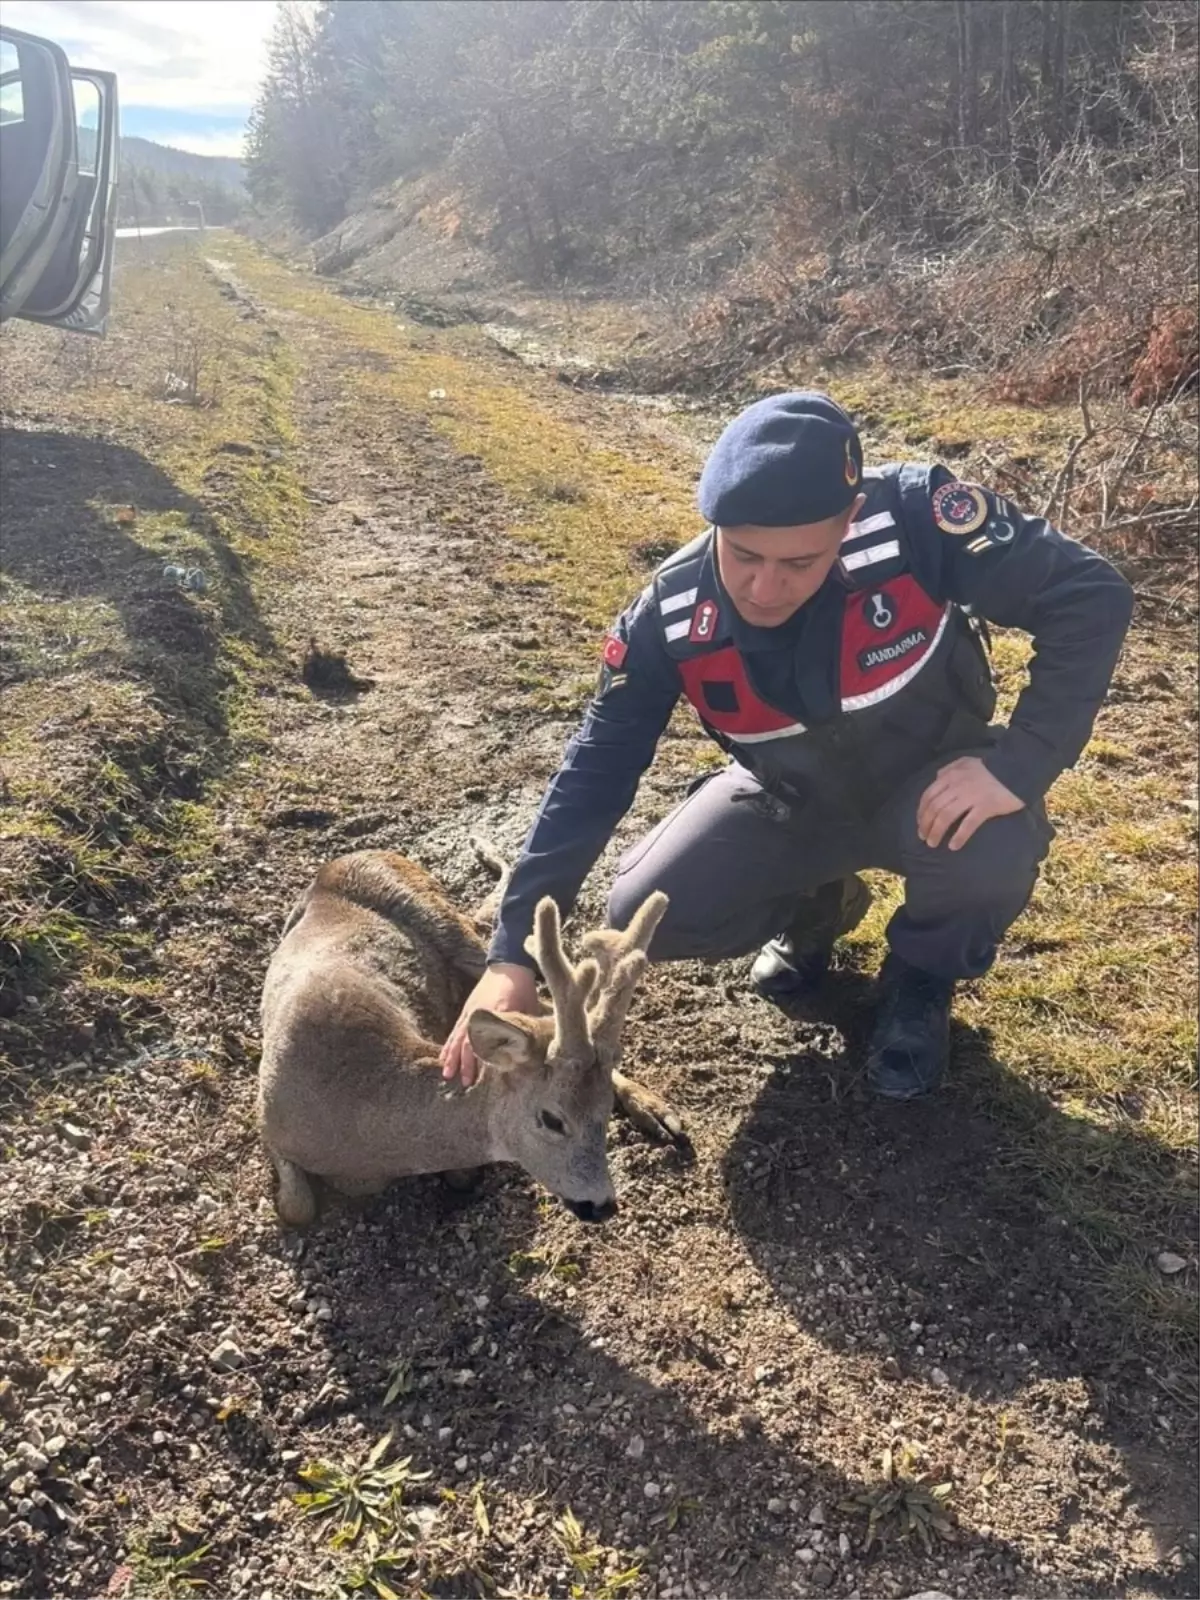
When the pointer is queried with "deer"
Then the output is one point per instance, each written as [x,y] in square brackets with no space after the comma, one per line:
[373,968]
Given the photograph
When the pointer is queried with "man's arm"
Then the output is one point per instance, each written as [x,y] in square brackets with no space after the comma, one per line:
[585,800]
[597,781]
[1020,572]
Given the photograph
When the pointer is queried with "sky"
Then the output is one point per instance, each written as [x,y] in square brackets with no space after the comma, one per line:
[188,71]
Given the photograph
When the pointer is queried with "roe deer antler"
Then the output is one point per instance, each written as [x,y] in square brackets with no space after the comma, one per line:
[571,988]
[608,945]
[622,960]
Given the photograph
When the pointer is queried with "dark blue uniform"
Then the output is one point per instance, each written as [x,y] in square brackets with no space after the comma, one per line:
[859,698]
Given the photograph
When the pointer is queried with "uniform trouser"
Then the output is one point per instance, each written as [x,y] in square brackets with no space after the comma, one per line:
[737,864]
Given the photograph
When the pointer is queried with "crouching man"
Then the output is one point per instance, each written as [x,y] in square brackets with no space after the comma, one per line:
[829,630]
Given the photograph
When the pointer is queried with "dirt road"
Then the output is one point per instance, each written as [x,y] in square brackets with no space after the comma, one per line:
[848,1350]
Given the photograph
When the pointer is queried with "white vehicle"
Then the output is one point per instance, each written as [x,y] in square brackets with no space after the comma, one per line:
[59,139]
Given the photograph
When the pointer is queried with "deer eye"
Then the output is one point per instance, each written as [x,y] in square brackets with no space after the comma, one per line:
[548,1120]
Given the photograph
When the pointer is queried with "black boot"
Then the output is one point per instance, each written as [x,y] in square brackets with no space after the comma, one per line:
[789,970]
[911,1041]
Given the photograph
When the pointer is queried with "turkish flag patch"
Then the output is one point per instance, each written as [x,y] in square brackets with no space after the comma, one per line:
[615,651]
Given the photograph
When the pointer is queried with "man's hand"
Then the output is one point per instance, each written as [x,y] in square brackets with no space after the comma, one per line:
[964,793]
[504,987]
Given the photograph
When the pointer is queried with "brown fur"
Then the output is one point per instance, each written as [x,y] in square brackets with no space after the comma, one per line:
[370,976]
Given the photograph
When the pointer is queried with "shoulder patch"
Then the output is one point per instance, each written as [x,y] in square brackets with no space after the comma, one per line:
[959,508]
[704,622]
[612,659]
[615,651]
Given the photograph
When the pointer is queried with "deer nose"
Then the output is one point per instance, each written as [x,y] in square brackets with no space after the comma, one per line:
[589,1211]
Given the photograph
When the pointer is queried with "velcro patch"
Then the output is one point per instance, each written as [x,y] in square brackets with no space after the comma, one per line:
[880,655]
[704,622]
[615,651]
[959,507]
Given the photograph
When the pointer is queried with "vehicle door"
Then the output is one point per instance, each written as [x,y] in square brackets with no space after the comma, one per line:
[38,160]
[73,289]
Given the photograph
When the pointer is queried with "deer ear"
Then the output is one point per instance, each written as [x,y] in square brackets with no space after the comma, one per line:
[502,1041]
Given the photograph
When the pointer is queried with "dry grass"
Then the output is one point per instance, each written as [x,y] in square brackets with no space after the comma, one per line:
[129,696]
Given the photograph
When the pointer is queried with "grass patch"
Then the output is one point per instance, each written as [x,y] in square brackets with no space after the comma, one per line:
[905,1505]
[167,1562]
[128,693]
[585,509]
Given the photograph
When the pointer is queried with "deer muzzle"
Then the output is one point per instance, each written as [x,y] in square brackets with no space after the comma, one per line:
[592,1210]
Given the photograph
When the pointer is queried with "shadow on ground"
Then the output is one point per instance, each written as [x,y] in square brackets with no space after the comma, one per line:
[118,688]
[60,544]
[967,1216]
[437,1280]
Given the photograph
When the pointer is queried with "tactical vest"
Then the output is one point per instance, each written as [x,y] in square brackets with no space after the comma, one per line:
[913,680]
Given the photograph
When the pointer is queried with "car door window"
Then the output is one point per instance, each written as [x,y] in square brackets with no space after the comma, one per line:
[87,123]
[37,159]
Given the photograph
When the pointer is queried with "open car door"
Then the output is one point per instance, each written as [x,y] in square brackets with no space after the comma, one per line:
[39,170]
[73,288]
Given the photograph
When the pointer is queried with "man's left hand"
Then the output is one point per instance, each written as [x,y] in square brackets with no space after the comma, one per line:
[966,794]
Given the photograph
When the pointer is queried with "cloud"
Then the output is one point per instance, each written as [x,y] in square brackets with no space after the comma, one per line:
[195,55]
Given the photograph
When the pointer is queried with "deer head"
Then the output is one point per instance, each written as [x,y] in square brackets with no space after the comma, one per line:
[554,1092]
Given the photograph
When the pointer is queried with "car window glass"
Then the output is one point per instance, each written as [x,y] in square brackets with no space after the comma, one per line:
[87,122]
[12,100]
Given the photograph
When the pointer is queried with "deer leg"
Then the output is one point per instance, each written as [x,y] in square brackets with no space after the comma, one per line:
[295,1199]
[649,1112]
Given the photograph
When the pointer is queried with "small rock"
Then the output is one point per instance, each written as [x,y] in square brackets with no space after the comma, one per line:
[55,1446]
[31,1457]
[444,1435]
[76,1136]
[776,1506]
[227,1356]
[121,1285]
[939,1377]
[651,1491]
[10,1400]
[461,1464]
[763,1374]
[822,1575]
[806,1556]
[636,1448]
[1169,1263]
[817,1516]
[844,1546]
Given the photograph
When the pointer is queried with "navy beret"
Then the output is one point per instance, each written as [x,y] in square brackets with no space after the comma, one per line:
[790,459]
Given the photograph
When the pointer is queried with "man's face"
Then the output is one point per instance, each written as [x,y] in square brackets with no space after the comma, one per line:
[769,573]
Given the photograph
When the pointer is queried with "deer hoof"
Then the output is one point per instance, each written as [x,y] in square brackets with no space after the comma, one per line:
[295,1199]
[463,1179]
[651,1114]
